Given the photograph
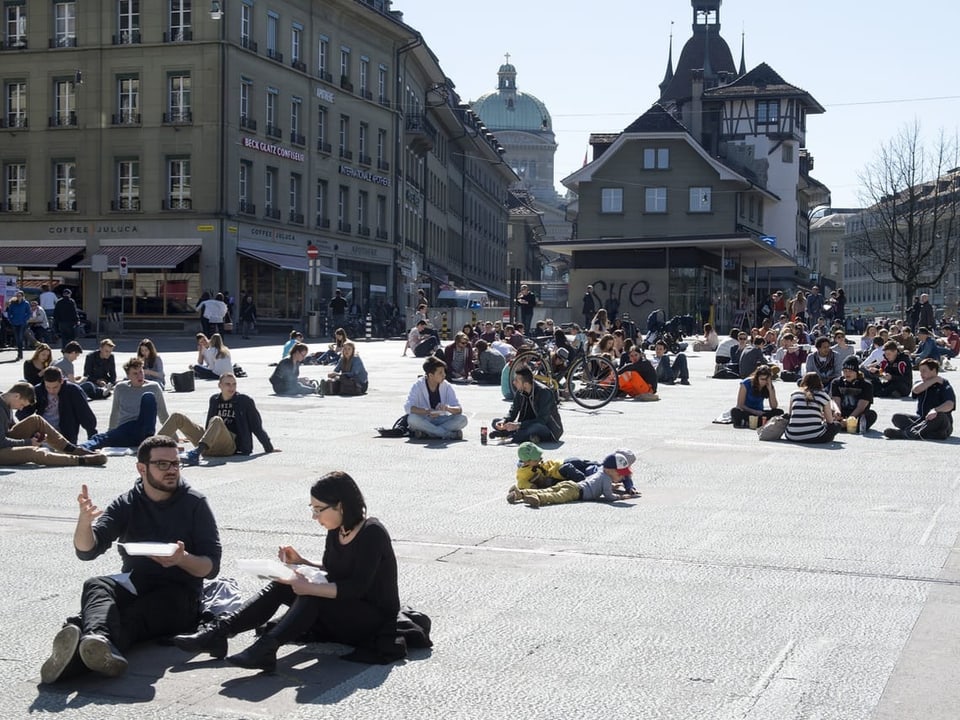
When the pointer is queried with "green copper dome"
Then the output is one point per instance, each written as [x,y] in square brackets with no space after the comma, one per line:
[510,109]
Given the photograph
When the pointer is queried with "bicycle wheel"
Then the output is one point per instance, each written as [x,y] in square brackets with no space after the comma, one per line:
[592,381]
[537,364]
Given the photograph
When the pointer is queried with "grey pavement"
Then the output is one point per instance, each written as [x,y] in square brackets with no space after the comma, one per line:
[751,580]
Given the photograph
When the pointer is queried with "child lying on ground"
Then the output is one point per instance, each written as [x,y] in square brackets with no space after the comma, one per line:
[549,482]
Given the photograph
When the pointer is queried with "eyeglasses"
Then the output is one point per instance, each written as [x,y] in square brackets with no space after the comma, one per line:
[317,510]
[164,465]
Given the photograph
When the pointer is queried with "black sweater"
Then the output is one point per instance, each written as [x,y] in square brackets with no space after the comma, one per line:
[365,568]
[242,418]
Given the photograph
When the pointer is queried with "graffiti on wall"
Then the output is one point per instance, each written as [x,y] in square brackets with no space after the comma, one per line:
[618,297]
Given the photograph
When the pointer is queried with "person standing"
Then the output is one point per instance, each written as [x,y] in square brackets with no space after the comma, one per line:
[48,299]
[18,313]
[232,421]
[338,309]
[248,316]
[66,318]
[925,314]
[589,308]
[814,305]
[432,408]
[155,596]
[137,403]
[936,402]
[527,302]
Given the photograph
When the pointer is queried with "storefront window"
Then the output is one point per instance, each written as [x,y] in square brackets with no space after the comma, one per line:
[156,293]
[277,293]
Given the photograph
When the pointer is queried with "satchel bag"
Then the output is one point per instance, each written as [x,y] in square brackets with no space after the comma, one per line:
[331,387]
[774,428]
[349,386]
[183,382]
[399,429]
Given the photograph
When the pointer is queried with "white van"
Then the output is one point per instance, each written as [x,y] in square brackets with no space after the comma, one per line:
[470,299]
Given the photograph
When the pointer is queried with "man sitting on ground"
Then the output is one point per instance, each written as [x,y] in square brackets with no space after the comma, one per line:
[489,365]
[155,596]
[533,416]
[935,404]
[100,368]
[62,404]
[232,421]
[137,403]
[432,408]
[853,395]
[668,373]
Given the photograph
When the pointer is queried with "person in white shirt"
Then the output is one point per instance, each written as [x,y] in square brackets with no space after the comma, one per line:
[432,408]
[48,299]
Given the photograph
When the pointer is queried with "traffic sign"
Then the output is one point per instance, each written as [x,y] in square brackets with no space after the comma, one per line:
[123,264]
[313,252]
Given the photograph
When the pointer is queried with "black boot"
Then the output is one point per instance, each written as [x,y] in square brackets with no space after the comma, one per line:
[210,639]
[262,655]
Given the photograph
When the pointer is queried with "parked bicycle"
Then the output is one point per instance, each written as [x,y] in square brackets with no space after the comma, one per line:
[588,380]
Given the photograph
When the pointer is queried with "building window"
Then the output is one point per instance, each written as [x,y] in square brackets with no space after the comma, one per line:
[343,209]
[296,45]
[128,22]
[362,143]
[384,97]
[323,219]
[296,104]
[345,138]
[64,186]
[128,185]
[786,152]
[65,24]
[701,199]
[179,98]
[273,22]
[296,209]
[834,248]
[180,20]
[344,64]
[768,112]
[323,58]
[128,101]
[271,190]
[15,104]
[611,200]
[655,200]
[656,158]
[178,184]
[246,95]
[15,187]
[382,163]
[15,24]
[64,103]
[243,187]
[362,203]
[322,144]
[382,217]
[246,27]
[365,77]
[752,214]
[272,129]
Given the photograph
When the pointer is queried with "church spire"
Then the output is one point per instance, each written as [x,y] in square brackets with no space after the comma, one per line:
[507,75]
[743,63]
[668,75]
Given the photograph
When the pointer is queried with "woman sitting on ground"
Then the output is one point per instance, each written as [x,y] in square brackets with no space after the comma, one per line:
[152,364]
[295,337]
[356,604]
[38,362]
[286,379]
[710,340]
[605,346]
[333,351]
[600,322]
[213,360]
[753,391]
[866,342]
[811,414]
[350,368]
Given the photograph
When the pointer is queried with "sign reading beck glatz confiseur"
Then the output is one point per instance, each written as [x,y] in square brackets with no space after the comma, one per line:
[270,149]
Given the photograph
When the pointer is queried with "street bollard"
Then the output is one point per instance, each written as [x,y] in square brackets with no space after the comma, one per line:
[444,334]
[369,326]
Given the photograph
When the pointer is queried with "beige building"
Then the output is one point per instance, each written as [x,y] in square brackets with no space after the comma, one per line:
[210,144]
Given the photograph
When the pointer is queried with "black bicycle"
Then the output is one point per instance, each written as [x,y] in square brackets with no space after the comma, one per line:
[588,380]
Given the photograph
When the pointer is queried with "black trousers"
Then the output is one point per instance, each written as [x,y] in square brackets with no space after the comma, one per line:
[351,622]
[109,609]
[940,428]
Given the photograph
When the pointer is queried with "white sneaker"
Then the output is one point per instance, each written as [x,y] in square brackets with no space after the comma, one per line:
[65,645]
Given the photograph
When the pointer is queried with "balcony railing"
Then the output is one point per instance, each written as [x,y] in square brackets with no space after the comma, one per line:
[298,65]
[297,139]
[367,95]
[62,42]
[365,160]
[363,230]
[274,132]
[247,208]
[325,76]
[13,207]
[346,154]
[127,117]
[248,44]
[63,120]
[382,234]
[125,204]
[177,203]
[345,83]
[421,133]
[178,35]
[343,227]
[383,165]
[127,37]
[271,212]
[324,147]
[295,217]
[14,43]
[178,117]
[13,121]
[323,222]
[275,55]
[385,101]
[248,123]
[61,205]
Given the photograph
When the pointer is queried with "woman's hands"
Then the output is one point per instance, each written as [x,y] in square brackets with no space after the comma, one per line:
[286,554]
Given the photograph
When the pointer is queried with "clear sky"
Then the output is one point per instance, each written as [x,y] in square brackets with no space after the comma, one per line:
[874,66]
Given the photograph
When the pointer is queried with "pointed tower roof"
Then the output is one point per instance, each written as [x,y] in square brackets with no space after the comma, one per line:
[743,62]
[706,50]
[668,75]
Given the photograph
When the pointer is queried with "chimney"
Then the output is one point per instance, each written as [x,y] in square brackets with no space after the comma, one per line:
[696,104]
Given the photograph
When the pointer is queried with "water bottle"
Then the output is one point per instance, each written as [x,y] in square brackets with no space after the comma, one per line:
[863,425]
[483,435]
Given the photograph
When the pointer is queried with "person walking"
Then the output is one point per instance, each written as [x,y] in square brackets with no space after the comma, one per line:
[66,318]
[248,316]
[589,307]
[18,313]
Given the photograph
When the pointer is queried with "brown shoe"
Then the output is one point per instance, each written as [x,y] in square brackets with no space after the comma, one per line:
[92,459]
[72,449]
[514,496]
[532,500]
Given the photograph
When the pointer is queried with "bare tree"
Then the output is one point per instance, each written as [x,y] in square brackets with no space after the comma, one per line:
[911,194]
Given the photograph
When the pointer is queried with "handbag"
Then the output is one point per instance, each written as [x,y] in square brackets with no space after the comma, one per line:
[331,387]
[774,428]
[183,382]
[349,386]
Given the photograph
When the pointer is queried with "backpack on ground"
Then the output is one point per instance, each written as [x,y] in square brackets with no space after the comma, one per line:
[398,430]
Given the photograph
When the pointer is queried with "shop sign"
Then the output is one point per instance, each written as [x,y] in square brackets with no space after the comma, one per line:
[270,149]
[365,175]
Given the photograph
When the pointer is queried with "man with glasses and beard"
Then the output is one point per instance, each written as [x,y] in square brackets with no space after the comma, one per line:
[169,543]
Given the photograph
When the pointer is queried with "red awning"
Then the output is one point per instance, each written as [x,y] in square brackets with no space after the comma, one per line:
[143,256]
[31,256]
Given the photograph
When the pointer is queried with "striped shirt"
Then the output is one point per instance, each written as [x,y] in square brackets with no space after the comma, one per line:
[806,416]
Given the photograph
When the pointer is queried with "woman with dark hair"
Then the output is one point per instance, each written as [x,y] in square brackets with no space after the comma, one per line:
[333,351]
[753,391]
[152,364]
[356,604]
[811,414]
